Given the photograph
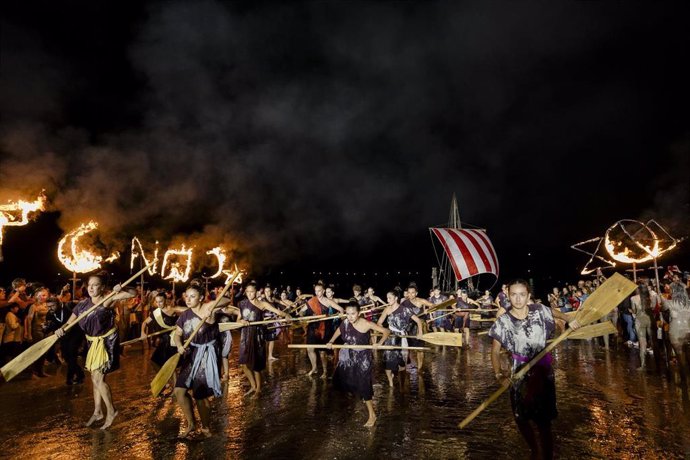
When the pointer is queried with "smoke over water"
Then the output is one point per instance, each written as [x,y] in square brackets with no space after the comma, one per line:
[289,132]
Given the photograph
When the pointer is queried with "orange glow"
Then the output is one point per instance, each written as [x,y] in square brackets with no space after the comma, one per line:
[631,248]
[16,213]
[219,252]
[80,260]
[173,268]
[153,264]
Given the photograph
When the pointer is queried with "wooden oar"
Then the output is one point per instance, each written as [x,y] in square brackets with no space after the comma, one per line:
[164,374]
[604,299]
[237,325]
[594,330]
[361,347]
[35,351]
[439,306]
[139,339]
[450,339]
[586,332]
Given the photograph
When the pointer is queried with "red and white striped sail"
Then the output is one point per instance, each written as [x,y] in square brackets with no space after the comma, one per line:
[470,251]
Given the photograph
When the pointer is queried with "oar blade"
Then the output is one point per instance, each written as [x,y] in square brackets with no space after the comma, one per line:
[450,339]
[159,381]
[27,357]
[604,299]
[594,330]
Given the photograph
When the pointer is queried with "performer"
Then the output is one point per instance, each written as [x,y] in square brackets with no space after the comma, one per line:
[316,331]
[523,331]
[417,305]
[353,373]
[33,326]
[643,304]
[679,327]
[103,341]
[440,319]
[272,334]
[400,319]
[253,342]
[462,318]
[502,301]
[199,364]
[164,316]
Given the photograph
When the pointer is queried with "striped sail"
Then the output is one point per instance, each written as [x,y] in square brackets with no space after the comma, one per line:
[470,251]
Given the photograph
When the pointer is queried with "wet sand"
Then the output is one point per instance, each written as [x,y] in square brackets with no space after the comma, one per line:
[607,409]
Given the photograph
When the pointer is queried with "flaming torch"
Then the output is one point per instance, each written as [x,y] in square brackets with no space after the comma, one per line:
[177,264]
[79,259]
[16,214]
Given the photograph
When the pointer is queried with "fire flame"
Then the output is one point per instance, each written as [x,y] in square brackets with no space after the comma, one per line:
[174,272]
[221,256]
[81,260]
[230,273]
[153,264]
[16,214]
[623,252]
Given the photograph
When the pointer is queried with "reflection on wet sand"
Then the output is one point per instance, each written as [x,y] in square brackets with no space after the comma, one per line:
[606,410]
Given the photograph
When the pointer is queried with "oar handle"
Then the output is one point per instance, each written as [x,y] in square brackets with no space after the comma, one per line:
[147,336]
[482,406]
[104,299]
[215,304]
[360,347]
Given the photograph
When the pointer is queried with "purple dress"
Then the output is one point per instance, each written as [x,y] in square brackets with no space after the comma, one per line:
[165,349]
[97,323]
[272,334]
[199,367]
[252,342]
[534,396]
[399,323]
[353,373]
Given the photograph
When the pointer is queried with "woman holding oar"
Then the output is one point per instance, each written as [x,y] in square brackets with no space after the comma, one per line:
[316,332]
[416,305]
[400,318]
[462,318]
[199,367]
[523,331]
[353,373]
[164,316]
[253,340]
[103,341]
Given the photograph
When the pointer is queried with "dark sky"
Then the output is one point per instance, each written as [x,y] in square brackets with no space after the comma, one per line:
[332,135]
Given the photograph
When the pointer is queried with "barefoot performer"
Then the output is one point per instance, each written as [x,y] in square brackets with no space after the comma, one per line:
[273,334]
[200,363]
[253,341]
[353,373]
[316,332]
[523,331]
[400,319]
[103,341]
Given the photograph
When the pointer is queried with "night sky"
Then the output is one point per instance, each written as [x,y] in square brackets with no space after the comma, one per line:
[330,136]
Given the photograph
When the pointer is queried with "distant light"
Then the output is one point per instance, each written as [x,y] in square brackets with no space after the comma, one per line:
[364,274]
[529,253]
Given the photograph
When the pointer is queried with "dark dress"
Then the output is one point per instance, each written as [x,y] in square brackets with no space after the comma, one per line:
[353,373]
[272,334]
[252,342]
[97,323]
[399,323]
[534,396]
[165,348]
[204,350]
[412,327]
